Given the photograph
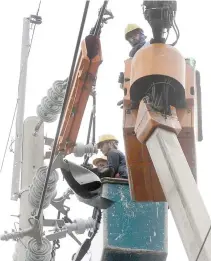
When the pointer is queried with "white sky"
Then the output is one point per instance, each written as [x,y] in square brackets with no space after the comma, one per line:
[50,60]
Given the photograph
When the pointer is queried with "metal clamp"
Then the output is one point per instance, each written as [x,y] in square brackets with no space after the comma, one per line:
[79,226]
[34,231]
[58,203]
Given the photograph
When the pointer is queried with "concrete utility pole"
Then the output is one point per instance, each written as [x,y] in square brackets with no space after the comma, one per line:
[20,111]
[33,157]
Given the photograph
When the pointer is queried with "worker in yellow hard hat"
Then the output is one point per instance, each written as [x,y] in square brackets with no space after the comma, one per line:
[134,34]
[100,162]
[116,163]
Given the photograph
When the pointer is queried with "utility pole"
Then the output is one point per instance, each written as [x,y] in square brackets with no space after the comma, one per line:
[33,157]
[20,110]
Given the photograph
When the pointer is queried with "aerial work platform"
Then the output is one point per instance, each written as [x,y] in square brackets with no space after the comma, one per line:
[131,230]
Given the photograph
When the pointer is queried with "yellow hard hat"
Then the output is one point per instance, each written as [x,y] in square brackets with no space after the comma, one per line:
[130,28]
[106,137]
[96,160]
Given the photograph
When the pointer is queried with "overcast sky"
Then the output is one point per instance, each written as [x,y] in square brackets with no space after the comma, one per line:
[50,60]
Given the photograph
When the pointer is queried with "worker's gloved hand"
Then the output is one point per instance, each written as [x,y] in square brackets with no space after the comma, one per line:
[120,103]
[106,173]
[117,176]
[91,168]
[87,166]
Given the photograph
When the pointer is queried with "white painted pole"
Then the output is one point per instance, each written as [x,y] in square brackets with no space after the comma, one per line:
[33,158]
[182,194]
[20,110]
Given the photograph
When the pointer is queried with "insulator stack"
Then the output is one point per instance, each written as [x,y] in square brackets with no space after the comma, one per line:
[37,186]
[81,225]
[81,149]
[12,235]
[51,105]
[39,252]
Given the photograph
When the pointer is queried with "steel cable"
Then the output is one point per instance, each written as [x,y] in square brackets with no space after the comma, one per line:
[63,107]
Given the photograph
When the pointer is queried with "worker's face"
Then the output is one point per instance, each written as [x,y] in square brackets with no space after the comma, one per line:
[136,37]
[101,164]
[104,148]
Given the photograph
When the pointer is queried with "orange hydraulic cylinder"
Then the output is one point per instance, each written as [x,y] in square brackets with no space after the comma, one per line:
[84,78]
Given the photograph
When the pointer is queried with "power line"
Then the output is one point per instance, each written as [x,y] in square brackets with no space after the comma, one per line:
[8,138]
[21,71]
[63,107]
[37,13]
[96,32]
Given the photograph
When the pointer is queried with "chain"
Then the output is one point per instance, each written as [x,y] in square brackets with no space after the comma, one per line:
[56,245]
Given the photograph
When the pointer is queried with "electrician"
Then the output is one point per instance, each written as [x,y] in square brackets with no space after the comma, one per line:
[116,163]
[136,37]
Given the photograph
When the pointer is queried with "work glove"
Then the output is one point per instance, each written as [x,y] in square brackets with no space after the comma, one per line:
[90,167]
[87,166]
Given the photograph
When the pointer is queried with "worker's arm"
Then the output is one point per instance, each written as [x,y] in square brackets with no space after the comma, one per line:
[106,173]
[90,167]
[113,165]
[112,169]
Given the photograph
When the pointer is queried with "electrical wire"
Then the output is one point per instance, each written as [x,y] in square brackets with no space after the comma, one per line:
[94,118]
[55,242]
[177,32]
[33,32]
[8,138]
[98,24]
[63,107]
[92,126]
[16,106]
[98,221]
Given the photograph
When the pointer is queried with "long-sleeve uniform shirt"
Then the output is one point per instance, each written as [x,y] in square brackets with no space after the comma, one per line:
[137,47]
[117,162]
[116,167]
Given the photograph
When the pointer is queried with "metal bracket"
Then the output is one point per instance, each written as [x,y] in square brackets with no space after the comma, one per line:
[34,231]
[57,235]
[17,216]
[53,222]
[47,155]
[17,195]
[35,19]
[79,226]
[48,141]
[58,203]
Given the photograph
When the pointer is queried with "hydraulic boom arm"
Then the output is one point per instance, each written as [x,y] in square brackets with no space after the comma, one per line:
[84,79]
[83,82]
[159,119]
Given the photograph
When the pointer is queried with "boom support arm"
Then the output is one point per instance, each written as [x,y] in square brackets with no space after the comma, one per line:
[180,189]
[84,79]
